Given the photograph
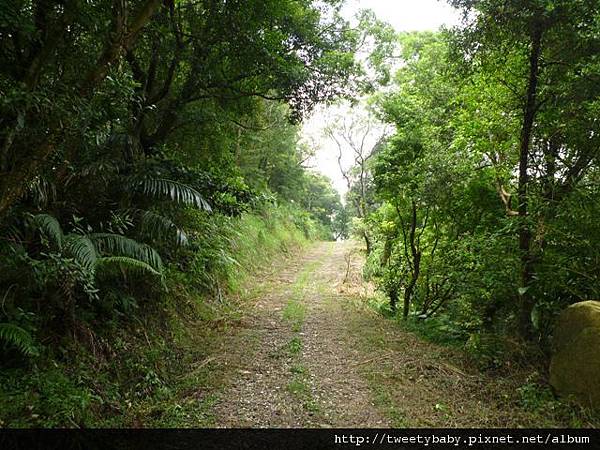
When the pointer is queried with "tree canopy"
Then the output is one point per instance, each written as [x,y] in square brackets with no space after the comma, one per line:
[494,154]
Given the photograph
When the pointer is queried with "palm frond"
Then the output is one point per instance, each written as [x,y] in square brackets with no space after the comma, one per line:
[19,338]
[176,191]
[125,264]
[82,249]
[50,227]
[118,245]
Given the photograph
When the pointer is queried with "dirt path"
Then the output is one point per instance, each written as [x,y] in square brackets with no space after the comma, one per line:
[298,370]
[312,354]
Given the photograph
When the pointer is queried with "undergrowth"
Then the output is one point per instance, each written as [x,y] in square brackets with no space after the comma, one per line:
[494,356]
[153,366]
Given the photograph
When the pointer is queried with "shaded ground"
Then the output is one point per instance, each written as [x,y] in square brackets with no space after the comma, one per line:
[310,354]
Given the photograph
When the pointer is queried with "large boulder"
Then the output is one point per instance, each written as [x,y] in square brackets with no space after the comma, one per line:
[575,365]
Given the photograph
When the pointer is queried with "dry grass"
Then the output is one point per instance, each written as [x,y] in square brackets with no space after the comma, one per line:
[351,367]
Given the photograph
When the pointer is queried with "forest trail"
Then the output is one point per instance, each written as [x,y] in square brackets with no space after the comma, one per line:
[310,353]
[299,372]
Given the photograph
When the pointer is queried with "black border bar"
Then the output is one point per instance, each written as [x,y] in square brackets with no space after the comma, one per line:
[289,439]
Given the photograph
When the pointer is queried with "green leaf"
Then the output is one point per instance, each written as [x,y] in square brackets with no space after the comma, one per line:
[82,249]
[157,225]
[176,191]
[118,245]
[50,227]
[125,264]
[522,290]
[19,338]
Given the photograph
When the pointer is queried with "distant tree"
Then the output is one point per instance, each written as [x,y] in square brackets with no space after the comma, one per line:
[359,135]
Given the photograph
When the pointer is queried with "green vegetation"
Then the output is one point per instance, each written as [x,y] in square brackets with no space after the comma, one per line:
[476,196]
[150,159]
[294,313]
[294,347]
[151,164]
[150,367]
[295,310]
[299,385]
[483,199]
[300,388]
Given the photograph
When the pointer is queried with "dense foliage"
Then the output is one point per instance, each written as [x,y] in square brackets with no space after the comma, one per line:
[135,135]
[487,190]
[150,158]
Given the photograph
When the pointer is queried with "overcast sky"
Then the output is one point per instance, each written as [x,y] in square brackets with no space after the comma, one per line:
[403,15]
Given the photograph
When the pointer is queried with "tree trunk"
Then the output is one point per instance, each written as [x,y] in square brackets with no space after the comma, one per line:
[416,262]
[367,242]
[526,301]
[13,184]
[393,294]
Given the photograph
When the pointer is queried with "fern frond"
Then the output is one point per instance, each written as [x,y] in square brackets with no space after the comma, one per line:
[125,264]
[176,191]
[19,338]
[157,225]
[118,245]
[82,249]
[50,227]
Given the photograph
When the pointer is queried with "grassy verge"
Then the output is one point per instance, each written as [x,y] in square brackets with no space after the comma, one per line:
[161,367]
[419,379]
